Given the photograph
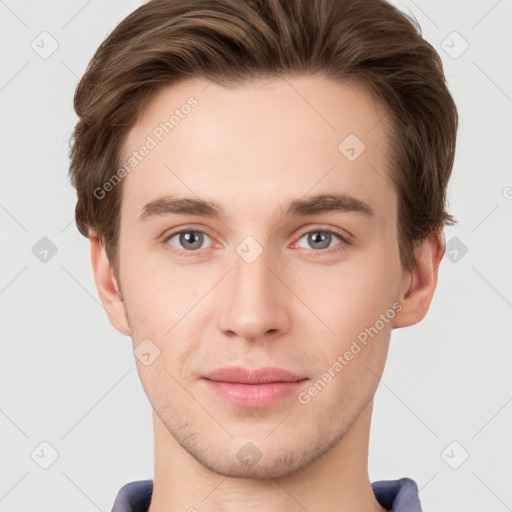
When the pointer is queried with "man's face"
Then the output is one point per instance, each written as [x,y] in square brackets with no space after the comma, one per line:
[255,286]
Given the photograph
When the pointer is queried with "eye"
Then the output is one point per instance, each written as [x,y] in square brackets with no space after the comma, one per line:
[321,239]
[188,240]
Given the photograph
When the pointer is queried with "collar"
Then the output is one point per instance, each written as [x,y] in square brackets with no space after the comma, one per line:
[394,495]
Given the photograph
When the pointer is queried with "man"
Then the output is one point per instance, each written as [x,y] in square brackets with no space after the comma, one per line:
[263,186]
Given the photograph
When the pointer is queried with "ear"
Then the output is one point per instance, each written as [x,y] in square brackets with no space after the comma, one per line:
[107,286]
[420,283]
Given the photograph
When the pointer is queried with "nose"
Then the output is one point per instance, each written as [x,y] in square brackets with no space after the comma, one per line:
[254,303]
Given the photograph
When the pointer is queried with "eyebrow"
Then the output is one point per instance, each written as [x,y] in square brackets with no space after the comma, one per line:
[313,205]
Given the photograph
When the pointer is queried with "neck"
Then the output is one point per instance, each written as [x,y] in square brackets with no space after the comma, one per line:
[337,480]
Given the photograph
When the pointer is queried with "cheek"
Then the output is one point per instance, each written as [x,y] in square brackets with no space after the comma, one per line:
[170,308]
[356,303]
[151,294]
[353,296]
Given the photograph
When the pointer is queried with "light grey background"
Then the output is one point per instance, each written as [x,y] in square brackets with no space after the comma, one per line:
[69,379]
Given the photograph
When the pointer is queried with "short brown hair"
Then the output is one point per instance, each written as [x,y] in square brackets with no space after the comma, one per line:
[366,42]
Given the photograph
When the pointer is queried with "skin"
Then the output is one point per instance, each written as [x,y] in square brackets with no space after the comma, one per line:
[252,149]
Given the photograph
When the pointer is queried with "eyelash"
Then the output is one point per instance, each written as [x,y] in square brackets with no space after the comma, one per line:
[345,241]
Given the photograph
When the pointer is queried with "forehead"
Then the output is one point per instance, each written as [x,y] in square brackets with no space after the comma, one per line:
[261,141]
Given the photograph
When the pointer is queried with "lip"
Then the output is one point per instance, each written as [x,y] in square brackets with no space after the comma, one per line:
[253,388]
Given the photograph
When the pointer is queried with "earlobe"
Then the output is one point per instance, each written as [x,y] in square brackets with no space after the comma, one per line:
[107,286]
[421,281]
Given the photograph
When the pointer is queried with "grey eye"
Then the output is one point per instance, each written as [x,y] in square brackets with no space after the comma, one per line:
[189,240]
[318,239]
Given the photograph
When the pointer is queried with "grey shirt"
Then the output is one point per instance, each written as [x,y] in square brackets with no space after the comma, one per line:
[394,495]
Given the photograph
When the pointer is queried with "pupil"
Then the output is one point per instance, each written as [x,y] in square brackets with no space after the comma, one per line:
[189,239]
[323,238]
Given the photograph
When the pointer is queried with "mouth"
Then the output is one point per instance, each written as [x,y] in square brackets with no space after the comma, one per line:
[253,388]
